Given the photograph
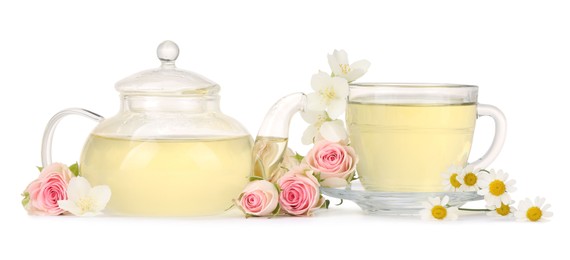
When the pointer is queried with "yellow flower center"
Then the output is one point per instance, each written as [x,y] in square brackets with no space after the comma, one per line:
[85,204]
[439,212]
[503,210]
[454,182]
[534,213]
[497,187]
[328,93]
[470,179]
[345,68]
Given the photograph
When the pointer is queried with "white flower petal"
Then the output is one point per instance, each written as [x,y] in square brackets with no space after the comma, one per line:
[490,199]
[547,214]
[360,65]
[309,135]
[336,108]
[341,56]
[313,116]
[538,201]
[333,131]
[502,175]
[546,207]
[315,102]
[101,195]
[445,200]
[469,169]
[335,66]
[434,201]
[524,205]
[505,199]
[452,213]
[77,188]
[320,81]
[354,74]
[70,206]
[340,86]
[426,205]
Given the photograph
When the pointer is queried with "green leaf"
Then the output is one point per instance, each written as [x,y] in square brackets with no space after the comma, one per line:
[326,204]
[276,211]
[341,201]
[483,170]
[230,207]
[299,157]
[26,198]
[255,178]
[74,168]
[277,187]
[40,168]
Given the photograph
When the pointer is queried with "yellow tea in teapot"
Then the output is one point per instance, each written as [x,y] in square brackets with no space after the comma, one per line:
[168,177]
[406,147]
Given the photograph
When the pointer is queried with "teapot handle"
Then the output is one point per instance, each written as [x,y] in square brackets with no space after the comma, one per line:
[50,129]
[278,118]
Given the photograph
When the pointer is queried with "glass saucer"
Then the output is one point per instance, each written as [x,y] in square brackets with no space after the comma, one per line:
[395,203]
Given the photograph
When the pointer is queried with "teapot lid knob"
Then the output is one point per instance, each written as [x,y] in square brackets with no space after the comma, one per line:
[167,52]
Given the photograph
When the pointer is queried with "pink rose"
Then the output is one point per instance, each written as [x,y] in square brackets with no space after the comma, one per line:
[259,198]
[289,161]
[299,192]
[334,162]
[50,187]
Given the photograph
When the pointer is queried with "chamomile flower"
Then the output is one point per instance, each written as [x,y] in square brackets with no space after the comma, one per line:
[469,179]
[436,209]
[496,188]
[537,211]
[505,210]
[450,181]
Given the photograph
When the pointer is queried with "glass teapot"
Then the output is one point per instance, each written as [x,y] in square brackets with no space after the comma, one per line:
[170,151]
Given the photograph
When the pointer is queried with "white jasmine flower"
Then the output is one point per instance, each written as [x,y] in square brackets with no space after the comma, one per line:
[320,127]
[537,211]
[340,66]
[436,209]
[330,94]
[82,200]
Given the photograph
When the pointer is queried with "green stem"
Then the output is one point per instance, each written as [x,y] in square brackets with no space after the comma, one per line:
[479,210]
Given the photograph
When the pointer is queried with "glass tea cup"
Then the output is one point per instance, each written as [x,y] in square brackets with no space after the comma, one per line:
[406,135]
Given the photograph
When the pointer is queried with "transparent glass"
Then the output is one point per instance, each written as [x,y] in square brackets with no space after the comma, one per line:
[169,151]
[406,136]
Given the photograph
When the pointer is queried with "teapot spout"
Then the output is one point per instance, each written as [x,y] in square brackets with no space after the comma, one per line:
[271,141]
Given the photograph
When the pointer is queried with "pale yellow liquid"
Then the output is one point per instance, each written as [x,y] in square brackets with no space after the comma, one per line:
[168,177]
[267,155]
[406,148]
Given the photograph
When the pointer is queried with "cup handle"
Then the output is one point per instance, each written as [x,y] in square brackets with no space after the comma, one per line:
[50,129]
[498,140]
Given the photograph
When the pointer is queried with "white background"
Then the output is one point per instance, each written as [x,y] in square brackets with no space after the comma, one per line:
[57,54]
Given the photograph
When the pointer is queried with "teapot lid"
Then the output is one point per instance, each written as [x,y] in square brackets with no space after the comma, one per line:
[167,79]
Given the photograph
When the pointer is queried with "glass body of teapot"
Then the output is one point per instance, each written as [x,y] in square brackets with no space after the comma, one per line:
[169,151]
